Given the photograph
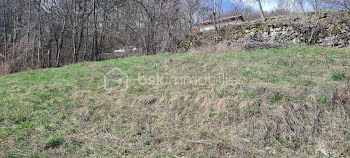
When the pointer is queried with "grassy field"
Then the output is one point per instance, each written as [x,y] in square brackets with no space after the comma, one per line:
[293,101]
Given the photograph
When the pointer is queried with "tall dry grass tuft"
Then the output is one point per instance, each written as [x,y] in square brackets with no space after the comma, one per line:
[5,68]
[18,58]
[224,46]
[16,65]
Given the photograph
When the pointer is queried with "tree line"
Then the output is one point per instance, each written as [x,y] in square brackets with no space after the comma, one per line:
[53,33]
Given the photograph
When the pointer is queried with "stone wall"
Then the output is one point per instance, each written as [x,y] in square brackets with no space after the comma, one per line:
[328,28]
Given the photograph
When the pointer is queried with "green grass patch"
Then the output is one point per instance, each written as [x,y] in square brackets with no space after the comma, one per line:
[321,98]
[337,76]
[54,141]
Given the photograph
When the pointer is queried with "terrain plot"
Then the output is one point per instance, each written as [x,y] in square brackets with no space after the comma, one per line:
[293,101]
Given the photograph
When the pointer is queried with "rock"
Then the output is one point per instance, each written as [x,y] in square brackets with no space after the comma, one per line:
[252,45]
[265,35]
[284,32]
[296,40]
[324,15]
[278,29]
[329,41]
[290,28]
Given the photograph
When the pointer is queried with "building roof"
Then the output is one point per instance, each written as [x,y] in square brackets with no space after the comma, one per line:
[232,18]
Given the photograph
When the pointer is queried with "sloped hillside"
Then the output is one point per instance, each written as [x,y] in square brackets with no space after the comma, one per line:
[293,101]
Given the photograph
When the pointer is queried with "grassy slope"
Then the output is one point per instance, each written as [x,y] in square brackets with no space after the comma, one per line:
[285,103]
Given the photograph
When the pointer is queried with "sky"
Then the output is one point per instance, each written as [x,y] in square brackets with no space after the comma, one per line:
[267,5]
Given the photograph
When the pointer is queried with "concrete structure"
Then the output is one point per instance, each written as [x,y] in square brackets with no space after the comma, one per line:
[209,25]
[126,49]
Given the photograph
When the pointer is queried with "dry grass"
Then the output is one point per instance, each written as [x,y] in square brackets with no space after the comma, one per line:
[224,46]
[284,103]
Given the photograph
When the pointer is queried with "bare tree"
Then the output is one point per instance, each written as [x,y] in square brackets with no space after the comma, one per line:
[300,4]
[259,3]
[190,9]
[284,7]
[214,18]
[315,4]
[5,26]
[338,3]
[247,11]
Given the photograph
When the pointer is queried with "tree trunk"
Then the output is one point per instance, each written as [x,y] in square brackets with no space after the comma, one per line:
[39,34]
[5,31]
[95,39]
[86,43]
[15,22]
[87,33]
[261,10]
[314,4]
[60,43]
[49,53]
[215,25]
[81,36]
[28,32]
[74,30]
[32,56]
